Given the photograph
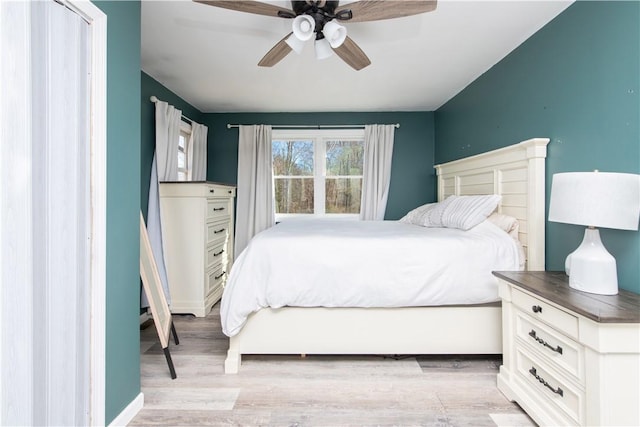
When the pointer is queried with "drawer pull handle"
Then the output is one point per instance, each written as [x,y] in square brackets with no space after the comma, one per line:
[218,209]
[219,253]
[220,275]
[210,190]
[219,231]
[535,336]
[533,372]
[536,309]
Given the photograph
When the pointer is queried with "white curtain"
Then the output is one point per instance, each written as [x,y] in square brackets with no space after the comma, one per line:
[163,168]
[378,152]
[255,211]
[197,152]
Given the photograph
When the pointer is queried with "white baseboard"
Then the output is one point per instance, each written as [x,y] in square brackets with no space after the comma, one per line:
[129,412]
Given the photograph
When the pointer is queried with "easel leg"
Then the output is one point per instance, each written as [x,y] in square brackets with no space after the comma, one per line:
[167,355]
[175,334]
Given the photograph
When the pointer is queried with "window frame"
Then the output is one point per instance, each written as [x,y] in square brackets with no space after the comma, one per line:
[319,137]
[185,132]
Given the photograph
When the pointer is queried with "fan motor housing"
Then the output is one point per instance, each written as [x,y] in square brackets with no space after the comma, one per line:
[301,6]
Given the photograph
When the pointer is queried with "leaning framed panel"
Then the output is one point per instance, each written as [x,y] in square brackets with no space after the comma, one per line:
[152,286]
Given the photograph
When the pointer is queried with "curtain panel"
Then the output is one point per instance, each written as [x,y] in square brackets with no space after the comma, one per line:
[255,207]
[197,152]
[163,168]
[378,152]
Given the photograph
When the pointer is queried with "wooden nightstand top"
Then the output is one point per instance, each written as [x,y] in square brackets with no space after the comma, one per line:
[554,286]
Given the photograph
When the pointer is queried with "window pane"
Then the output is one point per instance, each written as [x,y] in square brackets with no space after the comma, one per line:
[292,158]
[343,195]
[181,141]
[182,176]
[294,195]
[181,160]
[344,157]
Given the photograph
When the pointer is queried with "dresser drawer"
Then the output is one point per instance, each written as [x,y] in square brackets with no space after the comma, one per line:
[559,350]
[217,208]
[215,279]
[216,254]
[217,231]
[550,386]
[539,309]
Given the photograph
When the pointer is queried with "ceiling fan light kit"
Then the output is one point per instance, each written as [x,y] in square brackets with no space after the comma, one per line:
[319,17]
[335,33]
[295,43]
[303,27]
[323,48]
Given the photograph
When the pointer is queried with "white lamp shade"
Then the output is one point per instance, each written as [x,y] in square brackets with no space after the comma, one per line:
[295,43]
[303,27]
[596,199]
[334,33]
[323,49]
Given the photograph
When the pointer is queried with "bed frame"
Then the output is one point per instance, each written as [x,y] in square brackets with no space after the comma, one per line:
[516,172]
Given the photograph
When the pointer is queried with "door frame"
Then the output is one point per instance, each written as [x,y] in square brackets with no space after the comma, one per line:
[17,307]
[97,20]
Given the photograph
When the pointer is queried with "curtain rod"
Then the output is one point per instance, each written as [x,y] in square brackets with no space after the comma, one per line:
[155,99]
[229,126]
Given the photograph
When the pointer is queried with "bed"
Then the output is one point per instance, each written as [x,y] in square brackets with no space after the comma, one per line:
[517,174]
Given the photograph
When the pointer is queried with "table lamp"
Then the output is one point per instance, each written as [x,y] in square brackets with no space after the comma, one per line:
[594,199]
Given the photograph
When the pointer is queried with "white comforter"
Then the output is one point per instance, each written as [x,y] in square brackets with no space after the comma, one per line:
[365,264]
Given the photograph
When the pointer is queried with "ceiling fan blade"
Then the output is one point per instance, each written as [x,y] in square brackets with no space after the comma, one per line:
[351,53]
[256,7]
[375,10]
[276,54]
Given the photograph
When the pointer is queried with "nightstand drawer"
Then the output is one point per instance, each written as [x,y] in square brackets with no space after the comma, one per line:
[549,385]
[559,350]
[539,309]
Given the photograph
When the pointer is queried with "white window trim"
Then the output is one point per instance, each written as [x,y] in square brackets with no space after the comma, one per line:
[185,129]
[319,155]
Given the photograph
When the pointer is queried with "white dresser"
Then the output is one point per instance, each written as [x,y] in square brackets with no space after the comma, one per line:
[197,232]
[569,357]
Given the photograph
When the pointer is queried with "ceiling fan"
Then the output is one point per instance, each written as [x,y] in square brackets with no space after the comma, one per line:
[318,18]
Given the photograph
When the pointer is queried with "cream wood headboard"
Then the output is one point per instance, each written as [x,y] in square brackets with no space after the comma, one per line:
[517,173]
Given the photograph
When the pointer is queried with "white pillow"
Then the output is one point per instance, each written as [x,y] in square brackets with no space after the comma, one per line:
[463,212]
[417,216]
[509,224]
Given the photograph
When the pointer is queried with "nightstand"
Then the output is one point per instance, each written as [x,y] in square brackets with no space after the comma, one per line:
[569,357]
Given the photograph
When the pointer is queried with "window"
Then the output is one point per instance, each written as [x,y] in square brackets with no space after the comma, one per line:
[317,172]
[184,169]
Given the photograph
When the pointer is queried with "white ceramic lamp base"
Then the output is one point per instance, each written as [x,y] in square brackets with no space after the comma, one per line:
[591,268]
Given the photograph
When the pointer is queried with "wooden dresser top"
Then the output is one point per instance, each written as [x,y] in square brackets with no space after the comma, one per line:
[554,286]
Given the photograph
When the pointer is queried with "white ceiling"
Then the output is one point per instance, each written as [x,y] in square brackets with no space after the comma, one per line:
[208,56]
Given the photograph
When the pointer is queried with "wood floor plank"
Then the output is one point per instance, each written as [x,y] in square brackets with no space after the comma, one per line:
[317,390]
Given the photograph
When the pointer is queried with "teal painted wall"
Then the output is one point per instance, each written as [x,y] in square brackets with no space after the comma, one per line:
[577,82]
[150,86]
[412,174]
[122,357]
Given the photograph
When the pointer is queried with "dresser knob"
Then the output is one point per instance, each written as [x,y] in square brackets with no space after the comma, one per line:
[536,309]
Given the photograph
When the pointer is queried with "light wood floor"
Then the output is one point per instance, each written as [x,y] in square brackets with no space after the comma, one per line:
[316,390]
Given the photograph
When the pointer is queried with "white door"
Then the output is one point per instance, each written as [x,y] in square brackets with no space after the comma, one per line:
[50,236]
